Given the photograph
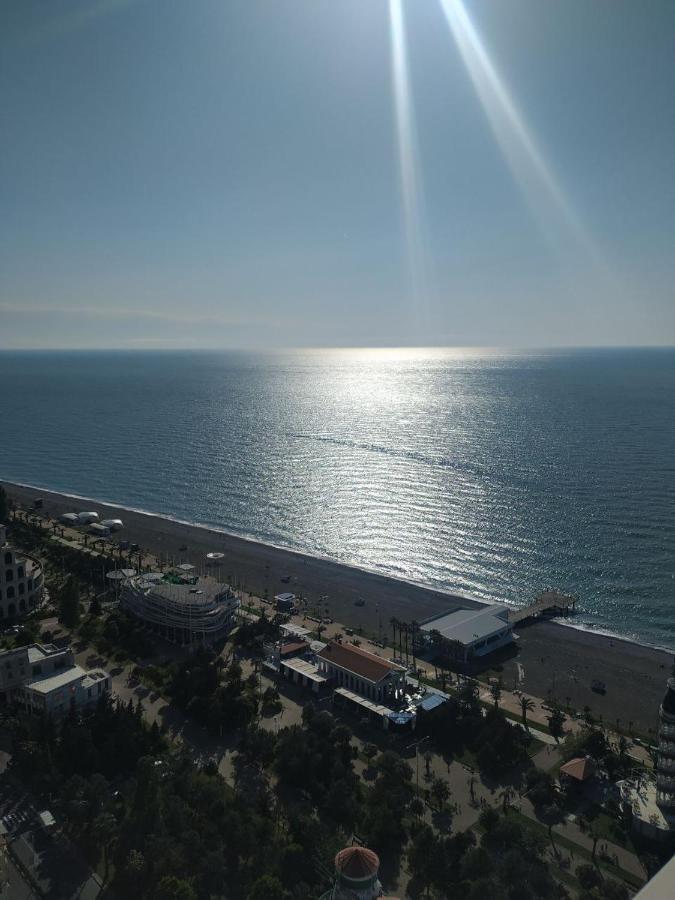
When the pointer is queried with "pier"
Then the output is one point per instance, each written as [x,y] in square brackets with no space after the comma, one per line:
[549,602]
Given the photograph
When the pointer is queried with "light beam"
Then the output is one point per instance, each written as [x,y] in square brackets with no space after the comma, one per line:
[534,175]
[406,138]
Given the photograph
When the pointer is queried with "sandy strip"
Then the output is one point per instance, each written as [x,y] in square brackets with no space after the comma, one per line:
[554,658]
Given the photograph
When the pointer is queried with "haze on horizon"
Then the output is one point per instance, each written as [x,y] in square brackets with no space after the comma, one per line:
[336,173]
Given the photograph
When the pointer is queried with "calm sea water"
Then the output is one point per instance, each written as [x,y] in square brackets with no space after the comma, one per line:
[487,473]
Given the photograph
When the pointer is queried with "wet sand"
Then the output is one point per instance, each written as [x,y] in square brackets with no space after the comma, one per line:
[550,658]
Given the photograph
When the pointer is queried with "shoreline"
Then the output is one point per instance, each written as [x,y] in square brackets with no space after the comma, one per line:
[552,656]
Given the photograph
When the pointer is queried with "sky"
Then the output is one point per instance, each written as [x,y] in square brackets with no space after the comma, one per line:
[254,173]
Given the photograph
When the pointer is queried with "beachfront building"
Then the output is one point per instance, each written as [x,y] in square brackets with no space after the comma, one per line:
[356,876]
[43,678]
[184,610]
[362,672]
[665,760]
[21,580]
[649,801]
[465,635]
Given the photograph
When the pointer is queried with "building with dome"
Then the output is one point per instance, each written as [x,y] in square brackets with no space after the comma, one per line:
[21,581]
[356,876]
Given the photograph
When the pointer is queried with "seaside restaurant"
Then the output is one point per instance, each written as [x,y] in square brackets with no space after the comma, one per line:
[466,634]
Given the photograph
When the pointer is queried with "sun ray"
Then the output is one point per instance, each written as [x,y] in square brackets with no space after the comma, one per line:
[406,138]
[535,176]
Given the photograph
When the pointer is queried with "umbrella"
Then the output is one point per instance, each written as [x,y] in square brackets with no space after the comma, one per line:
[115,575]
[186,567]
[215,555]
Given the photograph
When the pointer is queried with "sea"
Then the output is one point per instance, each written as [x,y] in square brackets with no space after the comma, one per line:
[488,473]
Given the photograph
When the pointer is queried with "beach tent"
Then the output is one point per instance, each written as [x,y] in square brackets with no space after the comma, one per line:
[579,769]
[186,567]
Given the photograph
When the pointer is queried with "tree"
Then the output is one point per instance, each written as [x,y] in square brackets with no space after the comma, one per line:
[526,706]
[104,829]
[556,721]
[440,792]
[172,888]
[496,693]
[267,887]
[69,603]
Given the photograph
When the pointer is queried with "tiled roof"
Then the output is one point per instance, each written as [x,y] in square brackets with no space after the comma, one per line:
[357,863]
[360,662]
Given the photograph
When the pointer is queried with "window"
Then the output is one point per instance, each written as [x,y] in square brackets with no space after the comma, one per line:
[8,559]
[88,692]
[22,588]
[10,593]
[9,575]
[37,670]
[11,609]
[22,605]
[20,572]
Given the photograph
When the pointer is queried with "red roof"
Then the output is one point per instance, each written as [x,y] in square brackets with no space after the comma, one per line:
[581,768]
[360,662]
[357,863]
[290,648]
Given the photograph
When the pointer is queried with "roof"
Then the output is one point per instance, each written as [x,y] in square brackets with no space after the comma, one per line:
[38,652]
[204,592]
[431,701]
[469,625]
[60,680]
[581,769]
[46,818]
[291,628]
[357,863]
[303,667]
[291,647]
[662,884]
[360,662]
[370,705]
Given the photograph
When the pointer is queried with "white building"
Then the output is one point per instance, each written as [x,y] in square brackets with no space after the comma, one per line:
[187,611]
[21,580]
[468,633]
[43,678]
[362,672]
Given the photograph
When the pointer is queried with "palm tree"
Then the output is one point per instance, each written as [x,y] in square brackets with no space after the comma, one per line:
[440,792]
[496,693]
[526,706]
[394,625]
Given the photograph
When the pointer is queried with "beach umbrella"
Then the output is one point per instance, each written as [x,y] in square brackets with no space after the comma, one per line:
[186,567]
[115,575]
[215,555]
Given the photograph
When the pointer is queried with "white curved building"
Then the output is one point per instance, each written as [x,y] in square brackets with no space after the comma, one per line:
[21,581]
[197,610]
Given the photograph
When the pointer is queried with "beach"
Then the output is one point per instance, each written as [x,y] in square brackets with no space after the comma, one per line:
[551,657]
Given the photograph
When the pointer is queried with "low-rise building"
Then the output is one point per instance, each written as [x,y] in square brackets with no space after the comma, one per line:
[21,580]
[466,634]
[362,672]
[43,678]
[24,664]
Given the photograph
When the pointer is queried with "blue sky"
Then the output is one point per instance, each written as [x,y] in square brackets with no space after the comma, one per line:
[220,173]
